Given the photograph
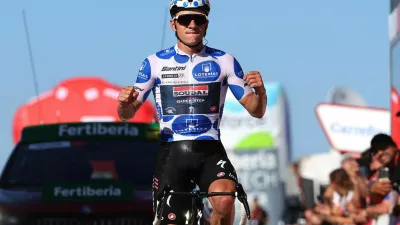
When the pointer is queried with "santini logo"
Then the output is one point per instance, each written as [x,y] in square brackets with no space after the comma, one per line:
[97,129]
[175,68]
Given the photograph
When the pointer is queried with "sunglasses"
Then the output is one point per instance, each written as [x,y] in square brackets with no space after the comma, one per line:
[186,19]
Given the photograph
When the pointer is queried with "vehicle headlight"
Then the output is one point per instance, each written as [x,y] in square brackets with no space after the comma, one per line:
[8,219]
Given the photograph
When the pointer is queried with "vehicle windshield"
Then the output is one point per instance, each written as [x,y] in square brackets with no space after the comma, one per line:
[81,161]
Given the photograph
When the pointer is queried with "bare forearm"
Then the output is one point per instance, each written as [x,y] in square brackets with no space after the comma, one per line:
[362,186]
[126,112]
[381,208]
[339,219]
[256,105]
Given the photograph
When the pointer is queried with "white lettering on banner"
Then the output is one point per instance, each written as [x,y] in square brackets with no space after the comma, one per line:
[260,160]
[258,180]
[86,191]
[237,122]
[256,170]
[97,129]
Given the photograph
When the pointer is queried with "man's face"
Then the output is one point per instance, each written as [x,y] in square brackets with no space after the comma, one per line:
[190,25]
[386,156]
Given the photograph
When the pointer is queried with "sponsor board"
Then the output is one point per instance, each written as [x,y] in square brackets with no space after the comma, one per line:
[258,148]
[90,191]
[351,128]
[258,172]
[90,130]
[97,129]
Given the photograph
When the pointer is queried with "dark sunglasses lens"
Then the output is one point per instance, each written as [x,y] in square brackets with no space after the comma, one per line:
[200,20]
[187,19]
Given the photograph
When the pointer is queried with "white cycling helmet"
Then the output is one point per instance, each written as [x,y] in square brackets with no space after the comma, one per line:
[177,5]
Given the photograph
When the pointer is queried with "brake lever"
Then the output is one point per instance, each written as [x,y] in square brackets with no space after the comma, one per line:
[162,196]
[242,197]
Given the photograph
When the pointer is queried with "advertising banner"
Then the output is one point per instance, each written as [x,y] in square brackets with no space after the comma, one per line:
[89,191]
[257,171]
[351,128]
[259,149]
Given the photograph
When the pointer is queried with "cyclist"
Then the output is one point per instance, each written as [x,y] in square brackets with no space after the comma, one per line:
[189,82]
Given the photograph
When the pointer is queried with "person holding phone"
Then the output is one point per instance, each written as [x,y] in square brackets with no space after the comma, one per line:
[383,152]
[382,178]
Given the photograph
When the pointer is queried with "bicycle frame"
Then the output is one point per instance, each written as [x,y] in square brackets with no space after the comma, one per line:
[198,206]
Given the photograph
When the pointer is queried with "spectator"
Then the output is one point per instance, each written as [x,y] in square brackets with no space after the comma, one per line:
[345,203]
[350,165]
[341,208]
[352,168]
[258,215]
[382,193]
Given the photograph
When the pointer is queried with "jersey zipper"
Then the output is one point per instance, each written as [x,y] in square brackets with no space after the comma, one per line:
[191,85]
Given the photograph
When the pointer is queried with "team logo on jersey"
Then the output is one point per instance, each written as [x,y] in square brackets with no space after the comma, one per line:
[138,88]
[233,176]
[166,54]
[238,69]
[171,216]
[144,72]
[206,71]
[170,110]
[184,91]
[206,67]
[174,75]
[191,125]
[143,66]
[174,81]
[190,100]
[173,68]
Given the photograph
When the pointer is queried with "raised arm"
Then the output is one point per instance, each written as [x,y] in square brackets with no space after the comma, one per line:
[255,102]
[132,97]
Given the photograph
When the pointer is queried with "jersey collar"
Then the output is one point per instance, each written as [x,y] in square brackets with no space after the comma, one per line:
[180,52]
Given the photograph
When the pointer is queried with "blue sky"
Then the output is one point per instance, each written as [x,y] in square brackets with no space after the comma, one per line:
[307,46]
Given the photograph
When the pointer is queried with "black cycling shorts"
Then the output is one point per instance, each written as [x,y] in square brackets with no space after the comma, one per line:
[182,165]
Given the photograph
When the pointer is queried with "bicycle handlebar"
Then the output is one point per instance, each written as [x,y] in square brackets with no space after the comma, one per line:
[240,194]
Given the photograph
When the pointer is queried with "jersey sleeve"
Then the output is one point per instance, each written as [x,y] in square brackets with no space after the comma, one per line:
[144,81]
[236,84]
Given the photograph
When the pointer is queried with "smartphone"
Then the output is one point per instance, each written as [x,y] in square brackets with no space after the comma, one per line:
[383,173]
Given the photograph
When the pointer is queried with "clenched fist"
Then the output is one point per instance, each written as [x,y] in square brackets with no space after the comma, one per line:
[254,79]
[127,95]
